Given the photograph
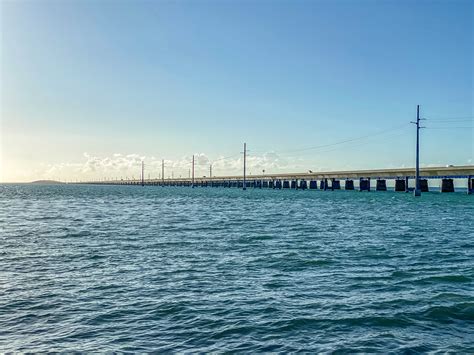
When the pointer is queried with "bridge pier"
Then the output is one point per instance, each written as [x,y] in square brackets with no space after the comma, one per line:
[278,184]
[303,185]
[335,184]
[400,185]
[313,184]
[364,184]
[293,184]
[381,185]
[286,184]
[470,185]
[349,185]
[424,185]
[447,185]
[324,184]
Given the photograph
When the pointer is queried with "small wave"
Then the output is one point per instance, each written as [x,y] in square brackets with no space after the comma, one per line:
[447,279]
[460,311]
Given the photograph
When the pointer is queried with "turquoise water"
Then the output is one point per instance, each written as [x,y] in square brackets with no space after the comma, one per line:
[128,268]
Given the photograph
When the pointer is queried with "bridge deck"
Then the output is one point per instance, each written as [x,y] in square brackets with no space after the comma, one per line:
[430,173]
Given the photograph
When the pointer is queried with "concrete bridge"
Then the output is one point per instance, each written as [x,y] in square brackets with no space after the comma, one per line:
[363,180]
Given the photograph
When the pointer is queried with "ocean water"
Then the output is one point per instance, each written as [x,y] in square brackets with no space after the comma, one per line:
[131,268]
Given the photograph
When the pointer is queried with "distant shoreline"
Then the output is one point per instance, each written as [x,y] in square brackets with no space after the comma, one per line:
[46,182]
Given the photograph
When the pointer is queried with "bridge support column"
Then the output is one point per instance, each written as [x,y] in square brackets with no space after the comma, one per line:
[313,184]
[294,184]
[335,184]
[324,184]
[265,184]
[424,185]
[400,185]
[447,185]
[381,185]
[286,184]
[470,185]
[364,184]
[303,185]
[278,184]
[349,185]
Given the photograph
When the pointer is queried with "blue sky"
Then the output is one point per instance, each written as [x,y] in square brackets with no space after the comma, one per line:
[89,88]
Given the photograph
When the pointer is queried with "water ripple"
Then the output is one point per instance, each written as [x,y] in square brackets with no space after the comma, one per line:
[131,269]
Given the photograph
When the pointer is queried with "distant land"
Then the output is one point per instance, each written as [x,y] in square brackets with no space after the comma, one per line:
[46,182]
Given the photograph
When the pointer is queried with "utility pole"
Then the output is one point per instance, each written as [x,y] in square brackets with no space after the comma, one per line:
[417,191]
[162,172]
[143,173]
[192,183]
[245,158]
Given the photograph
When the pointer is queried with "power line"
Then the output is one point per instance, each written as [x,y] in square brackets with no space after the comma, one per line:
[231,156]
[449,127]
[345,141]
[437,118]
[449,121]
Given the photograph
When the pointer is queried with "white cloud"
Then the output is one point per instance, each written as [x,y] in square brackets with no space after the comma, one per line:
[120,165]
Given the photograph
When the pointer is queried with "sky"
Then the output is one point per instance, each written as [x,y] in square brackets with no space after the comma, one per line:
[90,88]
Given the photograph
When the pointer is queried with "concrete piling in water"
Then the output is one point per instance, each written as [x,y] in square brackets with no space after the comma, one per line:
[424,185]
[293,184]
[349,185]
[364,184]
[313,184]
[470,185]
[381,185]
[324,184]
[335,184]
[400,185]
[303,185]
[406,183]
[447,185]
[286,184]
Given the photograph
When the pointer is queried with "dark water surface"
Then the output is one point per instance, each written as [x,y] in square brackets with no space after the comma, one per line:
[128,268]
